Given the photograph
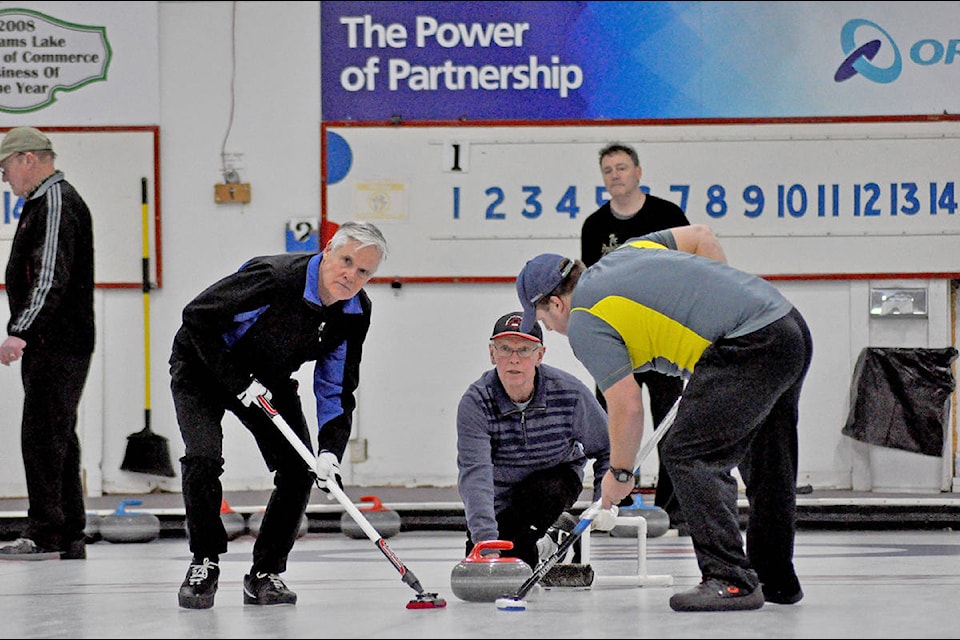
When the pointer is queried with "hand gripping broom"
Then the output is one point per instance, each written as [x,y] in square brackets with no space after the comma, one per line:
[423,600]
[147,452]
[516,601]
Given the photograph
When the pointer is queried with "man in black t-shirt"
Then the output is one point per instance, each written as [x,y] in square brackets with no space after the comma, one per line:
[628,214]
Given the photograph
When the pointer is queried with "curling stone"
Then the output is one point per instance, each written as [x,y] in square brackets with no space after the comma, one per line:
[233,522]
[91,532]
[385,521]
[256,519]
[129,526]
[480,579]
[658,522]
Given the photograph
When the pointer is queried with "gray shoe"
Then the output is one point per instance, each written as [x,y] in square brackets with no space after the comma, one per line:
[716,595]
[26,549]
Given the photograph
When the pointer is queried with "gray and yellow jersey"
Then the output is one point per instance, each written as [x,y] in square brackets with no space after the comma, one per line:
[647,306]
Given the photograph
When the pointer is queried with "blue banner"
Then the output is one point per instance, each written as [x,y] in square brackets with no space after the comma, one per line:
[486,61]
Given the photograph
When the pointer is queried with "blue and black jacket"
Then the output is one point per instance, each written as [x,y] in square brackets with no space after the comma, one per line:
[265,321]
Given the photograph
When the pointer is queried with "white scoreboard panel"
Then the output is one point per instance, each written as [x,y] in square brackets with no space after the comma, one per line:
[790,198]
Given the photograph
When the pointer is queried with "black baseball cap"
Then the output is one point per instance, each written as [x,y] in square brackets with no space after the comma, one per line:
[509,325]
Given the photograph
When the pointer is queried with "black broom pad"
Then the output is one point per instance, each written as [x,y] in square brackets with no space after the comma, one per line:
[147,452]
[569,575]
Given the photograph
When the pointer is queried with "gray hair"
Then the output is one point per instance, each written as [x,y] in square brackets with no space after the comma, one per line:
[366,233]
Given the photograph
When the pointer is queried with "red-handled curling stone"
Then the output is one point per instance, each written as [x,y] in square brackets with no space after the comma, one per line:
[256,519]
[233,522]
[385,521]
[484,579]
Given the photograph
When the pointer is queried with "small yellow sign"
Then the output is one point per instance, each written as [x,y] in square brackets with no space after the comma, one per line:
[380,200]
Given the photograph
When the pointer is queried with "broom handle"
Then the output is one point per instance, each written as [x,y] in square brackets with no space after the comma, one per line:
[544,567]
[331,484]
[587,517]
[146,302]
[656,436]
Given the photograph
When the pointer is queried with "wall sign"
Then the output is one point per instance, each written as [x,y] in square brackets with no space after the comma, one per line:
[43,55]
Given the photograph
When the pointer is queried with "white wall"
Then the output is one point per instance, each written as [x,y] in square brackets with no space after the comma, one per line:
[427,341]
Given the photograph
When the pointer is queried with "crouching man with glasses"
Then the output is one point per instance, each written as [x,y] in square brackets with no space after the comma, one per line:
[525,432]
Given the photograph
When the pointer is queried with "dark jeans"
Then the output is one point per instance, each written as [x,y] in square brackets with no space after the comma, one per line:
[664,391]
[535,503]
[201,405]
[52,385]
[740,409]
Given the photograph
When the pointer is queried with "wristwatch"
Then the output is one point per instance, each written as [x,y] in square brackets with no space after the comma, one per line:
[622,475]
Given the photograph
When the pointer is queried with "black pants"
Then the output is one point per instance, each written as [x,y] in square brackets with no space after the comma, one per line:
[535,503]
[664,391]
[740,408]
[52,385]
[201,404]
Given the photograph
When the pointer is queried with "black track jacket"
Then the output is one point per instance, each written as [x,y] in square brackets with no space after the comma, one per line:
[49,276]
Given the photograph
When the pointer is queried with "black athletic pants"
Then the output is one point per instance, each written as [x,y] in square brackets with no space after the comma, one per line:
[740,409]
[201,404]
[535,503]
[53,382]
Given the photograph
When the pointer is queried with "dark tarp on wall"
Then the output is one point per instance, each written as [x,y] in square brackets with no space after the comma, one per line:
[900,398]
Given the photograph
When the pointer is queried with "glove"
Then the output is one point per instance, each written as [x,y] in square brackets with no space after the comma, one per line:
[328,466]
[248,397]
[606,519]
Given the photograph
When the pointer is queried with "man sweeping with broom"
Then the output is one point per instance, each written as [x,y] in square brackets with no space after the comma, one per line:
[243,338]
[743,349]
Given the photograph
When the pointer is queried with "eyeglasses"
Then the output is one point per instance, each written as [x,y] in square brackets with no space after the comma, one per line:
[6,163]
[504,351]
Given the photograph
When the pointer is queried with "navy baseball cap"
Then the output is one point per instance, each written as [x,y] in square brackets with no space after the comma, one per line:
[539,277]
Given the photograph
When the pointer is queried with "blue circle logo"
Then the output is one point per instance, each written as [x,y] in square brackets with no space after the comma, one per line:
[859,57]
[339,158]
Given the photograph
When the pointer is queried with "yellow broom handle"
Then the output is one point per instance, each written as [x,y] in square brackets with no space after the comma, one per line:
[146,300]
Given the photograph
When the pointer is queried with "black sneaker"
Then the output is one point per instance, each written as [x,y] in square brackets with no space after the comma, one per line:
[559,531]
[76,550]
[266,588]
[566,523]
[791,595]
[200,585]
[716,595]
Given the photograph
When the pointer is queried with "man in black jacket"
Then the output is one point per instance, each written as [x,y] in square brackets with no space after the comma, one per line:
[49,282]
[244,337]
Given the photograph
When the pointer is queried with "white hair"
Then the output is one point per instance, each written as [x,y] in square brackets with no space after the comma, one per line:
[366,233]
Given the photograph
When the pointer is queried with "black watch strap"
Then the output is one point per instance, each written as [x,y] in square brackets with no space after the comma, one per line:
[622,475]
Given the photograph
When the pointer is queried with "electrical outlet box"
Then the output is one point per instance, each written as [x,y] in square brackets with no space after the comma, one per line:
[224,193]
[358,450]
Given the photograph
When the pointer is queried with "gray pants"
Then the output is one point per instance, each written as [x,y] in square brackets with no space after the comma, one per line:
[740,410]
